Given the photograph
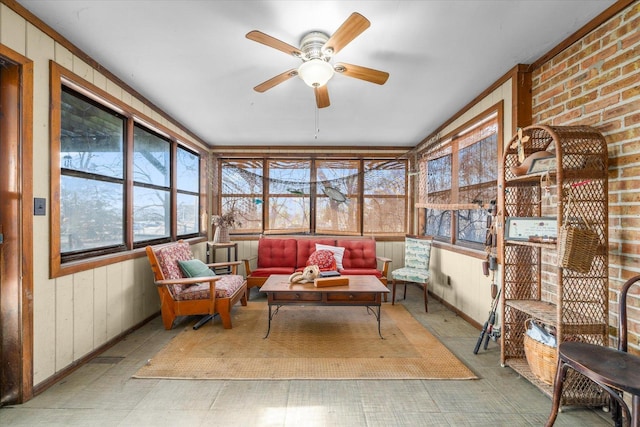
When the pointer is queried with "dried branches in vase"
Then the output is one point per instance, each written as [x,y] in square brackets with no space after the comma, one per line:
[222,224]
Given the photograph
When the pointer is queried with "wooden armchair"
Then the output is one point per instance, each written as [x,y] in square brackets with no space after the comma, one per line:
[200,292]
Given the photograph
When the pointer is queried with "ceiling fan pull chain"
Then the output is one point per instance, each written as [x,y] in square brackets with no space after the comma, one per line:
[317,127]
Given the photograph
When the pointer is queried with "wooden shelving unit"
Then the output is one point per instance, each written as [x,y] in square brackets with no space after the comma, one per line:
[575,304]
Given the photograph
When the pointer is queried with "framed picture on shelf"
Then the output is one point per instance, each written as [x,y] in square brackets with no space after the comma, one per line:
[544,164]
[531,229]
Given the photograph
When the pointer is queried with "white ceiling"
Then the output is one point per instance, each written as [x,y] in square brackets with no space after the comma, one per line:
[191,58]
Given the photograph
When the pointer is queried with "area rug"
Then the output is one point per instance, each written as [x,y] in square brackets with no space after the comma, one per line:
[308,342]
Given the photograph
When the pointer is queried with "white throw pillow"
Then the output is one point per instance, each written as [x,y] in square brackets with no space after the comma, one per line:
[338,253]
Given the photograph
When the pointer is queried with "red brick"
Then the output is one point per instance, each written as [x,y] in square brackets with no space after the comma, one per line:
[581,100]
[634,145]
[550,93]
[541,107]
[601,103]
[553,71]
[607,127]
[568,52]
[630,81]
[568,117]
[602,30]
[551,113]
[622,110]
[629,27]
[632,39]
[631,172]
[624,56]
[559,99]
[582,77]
[631,93]
[633,119]
[602,78]
[584,53]
[625,160]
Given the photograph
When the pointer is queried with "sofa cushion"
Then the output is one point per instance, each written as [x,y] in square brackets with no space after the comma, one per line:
[225,288]
[307,246]
[338,253]
[276,253]
[358,253]
[324,259]
[195,268]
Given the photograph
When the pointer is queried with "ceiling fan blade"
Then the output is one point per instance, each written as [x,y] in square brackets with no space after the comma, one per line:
[276,80]
[322,96]
[265,39]
[349,30]
[362,73]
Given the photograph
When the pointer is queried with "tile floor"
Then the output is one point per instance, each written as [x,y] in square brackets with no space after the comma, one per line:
[102,393]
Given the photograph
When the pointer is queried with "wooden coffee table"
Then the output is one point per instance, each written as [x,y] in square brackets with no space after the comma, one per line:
[365,290]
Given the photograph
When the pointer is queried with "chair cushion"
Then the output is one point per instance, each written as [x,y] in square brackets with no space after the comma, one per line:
[407,274]
[195,268]
[168,257]
[226,286]
[417,253]
[324,259]
[338,253]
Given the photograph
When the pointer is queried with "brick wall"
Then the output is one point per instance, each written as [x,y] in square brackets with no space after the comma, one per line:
[596,82]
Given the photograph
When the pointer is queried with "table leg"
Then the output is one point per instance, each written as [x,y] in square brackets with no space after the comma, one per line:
[378,314]
[269,327]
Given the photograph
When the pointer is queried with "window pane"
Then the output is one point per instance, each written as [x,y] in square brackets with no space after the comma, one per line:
[384,215]
[151,158]
[335,217]
[91,138]
[439,174]
[248,213]
[479,162]
[188,209]
[91,214]
[289,213]
[242,193]
[438,223]
[151,209]
[289,177]
[384,201]
[188,171]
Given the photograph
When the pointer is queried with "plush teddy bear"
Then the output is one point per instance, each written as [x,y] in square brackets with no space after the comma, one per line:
[307,275]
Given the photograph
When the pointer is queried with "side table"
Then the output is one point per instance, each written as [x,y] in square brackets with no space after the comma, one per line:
[212,248]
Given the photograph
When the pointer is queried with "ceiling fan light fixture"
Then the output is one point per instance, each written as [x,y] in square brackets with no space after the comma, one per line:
[315,72]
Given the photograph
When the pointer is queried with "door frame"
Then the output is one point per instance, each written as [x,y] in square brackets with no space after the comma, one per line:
[16,221]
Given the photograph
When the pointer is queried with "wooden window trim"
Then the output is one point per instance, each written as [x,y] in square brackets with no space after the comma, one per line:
[59,76]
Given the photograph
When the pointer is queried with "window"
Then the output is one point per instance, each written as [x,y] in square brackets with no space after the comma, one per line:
[92,209]
[318,196]
[384,204]
[461,180]
[121,184]
[151,185]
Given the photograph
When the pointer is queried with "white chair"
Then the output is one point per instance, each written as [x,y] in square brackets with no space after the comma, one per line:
[417,252]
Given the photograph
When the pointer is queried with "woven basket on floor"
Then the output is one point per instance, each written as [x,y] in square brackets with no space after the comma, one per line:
[542,358]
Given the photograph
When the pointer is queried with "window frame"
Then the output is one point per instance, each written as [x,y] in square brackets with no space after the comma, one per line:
[59,266]
[314,192]
[450,143]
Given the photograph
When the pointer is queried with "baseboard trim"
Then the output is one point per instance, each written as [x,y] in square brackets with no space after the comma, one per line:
[457,311]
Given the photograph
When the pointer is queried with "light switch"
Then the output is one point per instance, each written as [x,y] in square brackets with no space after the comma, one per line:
[39,206]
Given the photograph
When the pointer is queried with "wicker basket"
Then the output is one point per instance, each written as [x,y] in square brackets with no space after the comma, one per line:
[542,358]
[577,246]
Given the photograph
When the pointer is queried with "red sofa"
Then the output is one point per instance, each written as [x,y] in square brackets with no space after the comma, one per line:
[289,254]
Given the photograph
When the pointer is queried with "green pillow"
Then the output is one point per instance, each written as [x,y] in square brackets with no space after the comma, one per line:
[195,268]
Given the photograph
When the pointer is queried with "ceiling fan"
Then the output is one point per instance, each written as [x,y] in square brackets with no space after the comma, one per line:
[316,51]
